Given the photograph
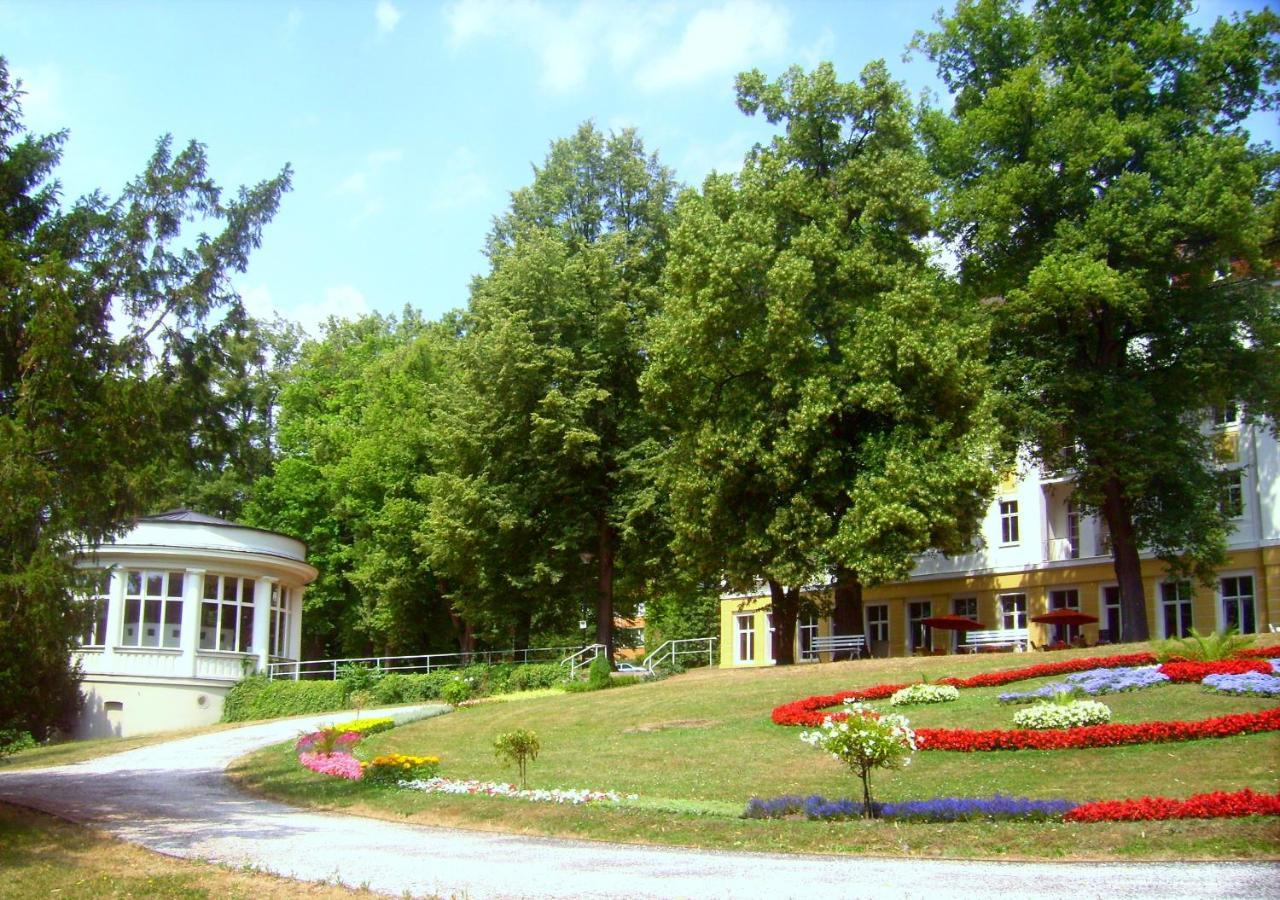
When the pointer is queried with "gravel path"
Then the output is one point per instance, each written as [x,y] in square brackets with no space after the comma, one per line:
[174,798]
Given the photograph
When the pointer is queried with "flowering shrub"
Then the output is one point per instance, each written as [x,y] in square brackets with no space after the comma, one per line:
[941,809]
[924,693]
[1194,672]
[1218,805]
[863,741]
[392,768]
[570,796]
[1253,684]
[367,727]
[968,741]
[341,765]
[333,739]
[1062,715]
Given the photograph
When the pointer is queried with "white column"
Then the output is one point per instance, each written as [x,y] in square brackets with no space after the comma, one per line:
[262,620]
[295,625]
[115,617]
[192,595]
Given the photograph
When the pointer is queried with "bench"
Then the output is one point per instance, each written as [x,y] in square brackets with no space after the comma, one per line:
[1017,638]
[835,643]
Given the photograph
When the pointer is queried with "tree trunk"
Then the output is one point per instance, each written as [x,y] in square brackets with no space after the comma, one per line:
[524,627]
[785,607]
[1128,566]
[846,617]
[463,633]
[604,595]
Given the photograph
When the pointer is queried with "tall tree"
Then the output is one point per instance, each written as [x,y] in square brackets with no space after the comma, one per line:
[1098,183]
[537,495]
[106,315]
[827,395]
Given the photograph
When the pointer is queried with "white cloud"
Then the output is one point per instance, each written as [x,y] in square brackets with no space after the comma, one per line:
[343,301]
[42,108]
[387,16]
[461,183]
[720,41]
[658,46]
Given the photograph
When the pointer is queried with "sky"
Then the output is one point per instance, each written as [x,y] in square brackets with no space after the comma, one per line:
[409,124]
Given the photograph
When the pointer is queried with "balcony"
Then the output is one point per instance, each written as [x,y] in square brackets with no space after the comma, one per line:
[1059,549]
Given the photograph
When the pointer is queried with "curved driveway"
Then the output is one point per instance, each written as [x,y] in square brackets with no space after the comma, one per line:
[174,798]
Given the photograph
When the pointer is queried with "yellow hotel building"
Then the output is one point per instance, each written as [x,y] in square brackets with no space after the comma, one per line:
[1039,553]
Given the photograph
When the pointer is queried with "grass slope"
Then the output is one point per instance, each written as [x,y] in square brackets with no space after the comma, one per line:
[697,747]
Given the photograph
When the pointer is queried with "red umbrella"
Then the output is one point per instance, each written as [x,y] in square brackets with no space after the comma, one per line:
[1065,616]
[953,623]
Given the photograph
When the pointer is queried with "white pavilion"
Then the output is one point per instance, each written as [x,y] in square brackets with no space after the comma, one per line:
[186,605]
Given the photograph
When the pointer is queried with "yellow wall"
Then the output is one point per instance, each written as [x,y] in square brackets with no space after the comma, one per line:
[1088,578]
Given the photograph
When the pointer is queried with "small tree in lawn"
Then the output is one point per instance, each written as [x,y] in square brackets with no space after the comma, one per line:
[520,747]
[864,741]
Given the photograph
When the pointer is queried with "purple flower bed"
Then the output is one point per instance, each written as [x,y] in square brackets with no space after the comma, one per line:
[1252,683]
[1092,683]
[941,809]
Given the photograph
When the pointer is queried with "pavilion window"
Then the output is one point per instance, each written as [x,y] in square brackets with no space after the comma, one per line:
[153,609]
[96,603]
[278,633]
[226,614]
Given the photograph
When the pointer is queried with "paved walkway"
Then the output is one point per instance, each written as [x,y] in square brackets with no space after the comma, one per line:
[174,798]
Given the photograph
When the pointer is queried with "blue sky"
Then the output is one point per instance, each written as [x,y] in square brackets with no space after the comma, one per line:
[409,124]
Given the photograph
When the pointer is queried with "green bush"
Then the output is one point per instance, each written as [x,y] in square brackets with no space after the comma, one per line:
[456,692]
[600,673]
[533,676]
[1199,647]
[520,747]
[357,677]
[12,741]
[257,697]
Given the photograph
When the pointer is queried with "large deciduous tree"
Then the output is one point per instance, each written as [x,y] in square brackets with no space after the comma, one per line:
[827,396]
[105,315]
[537,504]
[1107,207]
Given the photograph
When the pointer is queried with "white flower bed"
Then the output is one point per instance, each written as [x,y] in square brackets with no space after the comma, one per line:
[924,693]
[573,797]
[1063,715]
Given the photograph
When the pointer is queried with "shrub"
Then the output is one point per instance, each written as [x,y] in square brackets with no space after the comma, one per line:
[519,747]
[1199,647]
[357,677]
[257,697]
[366,727]
[533,676]
[14,741]
[456,692]
[392,768]
[599,673]
[865,741]
[924,693]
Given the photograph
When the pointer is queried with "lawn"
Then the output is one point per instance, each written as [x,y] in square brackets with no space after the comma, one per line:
[696,747]
[42,856]
[65,753]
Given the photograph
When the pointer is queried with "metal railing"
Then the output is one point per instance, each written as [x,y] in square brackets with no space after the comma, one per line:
[330,668]
[584,657]
[673,650]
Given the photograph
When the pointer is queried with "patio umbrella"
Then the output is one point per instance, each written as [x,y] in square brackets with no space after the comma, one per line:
[953,623]
[1065,617]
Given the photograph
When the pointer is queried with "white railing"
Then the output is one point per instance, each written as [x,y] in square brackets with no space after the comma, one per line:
[330,668]
[584,657]
[672,650]
[1058,549]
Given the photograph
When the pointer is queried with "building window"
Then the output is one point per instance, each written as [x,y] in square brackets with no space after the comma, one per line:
[745,637]
[278,635]
[918,633]
[1233,494]
[877,623]
[807,631]
[1175,608]
[152,609]
[1073,530]
[962,606]
[226,614]
[1013,610]
[1225,416]
[1111,614]
[96,603]
[1068,598]
[1236,593]
[1008,521]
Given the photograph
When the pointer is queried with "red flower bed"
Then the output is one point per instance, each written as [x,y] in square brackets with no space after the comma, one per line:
[1218,805]
[809,710]
[1043,670]
[967,740]
[1194,672]
[1272,652]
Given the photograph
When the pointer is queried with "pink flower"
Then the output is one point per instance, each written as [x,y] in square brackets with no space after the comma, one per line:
[340,765]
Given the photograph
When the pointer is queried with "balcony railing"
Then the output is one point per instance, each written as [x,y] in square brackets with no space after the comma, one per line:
[1058,549]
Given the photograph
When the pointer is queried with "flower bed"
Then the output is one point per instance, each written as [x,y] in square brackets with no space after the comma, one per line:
[1092,682]
[1195,672]
[340,765]
[1253,684]
[392,768]
[924,693]
[1077,714]
[1218,805]
[367,727]
[572,796]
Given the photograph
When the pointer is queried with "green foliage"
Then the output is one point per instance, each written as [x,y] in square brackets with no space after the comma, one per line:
[257,697]
[13,741]
[1097,183]
[865,741]
[112,314]
[1202,647]
[519,747]
[357,677]
[456,691]
[599,673]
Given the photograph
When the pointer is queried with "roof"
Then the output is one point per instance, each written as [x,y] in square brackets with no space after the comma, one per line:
[188,515]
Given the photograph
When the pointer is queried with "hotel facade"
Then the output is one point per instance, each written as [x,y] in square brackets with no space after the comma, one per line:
[1038,553]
